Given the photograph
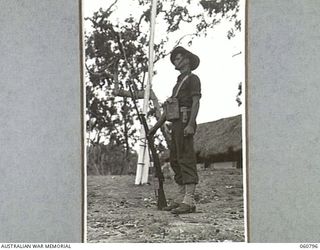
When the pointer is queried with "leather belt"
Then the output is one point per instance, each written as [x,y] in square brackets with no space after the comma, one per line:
[185,109]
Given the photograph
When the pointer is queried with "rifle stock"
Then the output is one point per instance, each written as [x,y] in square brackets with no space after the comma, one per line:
[162,202]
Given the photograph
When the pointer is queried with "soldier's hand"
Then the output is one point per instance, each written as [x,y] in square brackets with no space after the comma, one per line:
[189,130]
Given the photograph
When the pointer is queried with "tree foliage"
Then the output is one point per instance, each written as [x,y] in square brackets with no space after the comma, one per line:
[116,55]
[110,160]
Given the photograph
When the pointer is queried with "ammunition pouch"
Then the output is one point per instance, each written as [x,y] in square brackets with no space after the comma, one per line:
[172,109]
[184,111]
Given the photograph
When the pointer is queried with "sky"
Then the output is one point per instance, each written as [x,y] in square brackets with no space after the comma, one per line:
[219,71]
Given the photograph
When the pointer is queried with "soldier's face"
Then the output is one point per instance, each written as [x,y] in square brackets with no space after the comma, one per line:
[180,61]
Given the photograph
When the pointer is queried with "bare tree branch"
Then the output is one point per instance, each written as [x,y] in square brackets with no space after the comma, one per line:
[112,5]
[139,94]
[239,53]
[139,23]
[177,43]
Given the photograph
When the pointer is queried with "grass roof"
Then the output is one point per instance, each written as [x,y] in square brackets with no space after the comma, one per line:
[218,137]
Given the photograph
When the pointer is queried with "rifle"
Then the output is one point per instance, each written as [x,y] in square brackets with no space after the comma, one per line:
[161,202]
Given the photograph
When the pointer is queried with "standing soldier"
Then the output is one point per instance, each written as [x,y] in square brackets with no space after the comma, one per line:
[182,109]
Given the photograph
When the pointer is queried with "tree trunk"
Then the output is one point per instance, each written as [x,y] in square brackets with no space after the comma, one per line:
[126,137]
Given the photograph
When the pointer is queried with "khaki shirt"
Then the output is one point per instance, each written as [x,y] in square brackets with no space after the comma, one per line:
[189,88]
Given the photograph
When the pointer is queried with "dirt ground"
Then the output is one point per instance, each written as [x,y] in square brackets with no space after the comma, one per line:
[119,211]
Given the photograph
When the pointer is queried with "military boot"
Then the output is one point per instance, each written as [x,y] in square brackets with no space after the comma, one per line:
[188,203]
[178,198]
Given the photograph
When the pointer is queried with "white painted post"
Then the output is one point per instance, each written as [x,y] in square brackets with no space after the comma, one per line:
[143,155]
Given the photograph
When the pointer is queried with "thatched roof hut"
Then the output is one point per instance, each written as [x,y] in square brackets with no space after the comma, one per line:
[219,139]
